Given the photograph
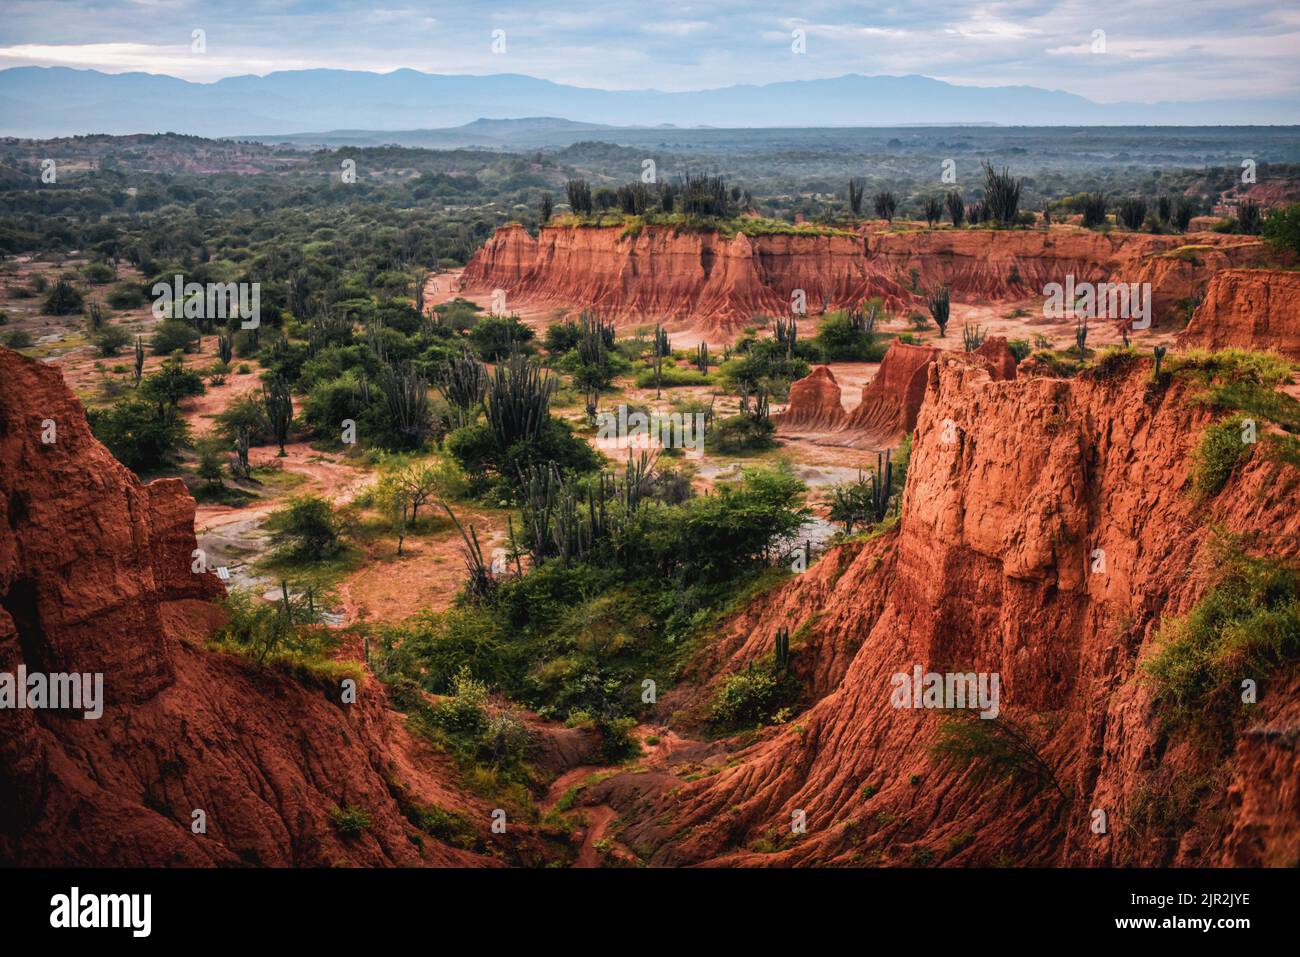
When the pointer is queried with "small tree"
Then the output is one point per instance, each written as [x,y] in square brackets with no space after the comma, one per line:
[307,528]
[545,208]
[209,464]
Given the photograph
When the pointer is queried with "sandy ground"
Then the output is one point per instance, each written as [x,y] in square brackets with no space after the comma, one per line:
[426,577]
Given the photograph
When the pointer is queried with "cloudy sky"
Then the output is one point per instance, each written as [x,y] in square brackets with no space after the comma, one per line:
[1185,50]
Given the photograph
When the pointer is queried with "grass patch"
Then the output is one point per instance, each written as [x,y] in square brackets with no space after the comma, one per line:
[1220,451]
[350,821]
[1244,627]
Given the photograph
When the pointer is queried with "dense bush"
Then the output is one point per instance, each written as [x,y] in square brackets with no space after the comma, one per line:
[63,300]
[173,334]
[738,434]
[1282,229]
[306,529]
[141,436]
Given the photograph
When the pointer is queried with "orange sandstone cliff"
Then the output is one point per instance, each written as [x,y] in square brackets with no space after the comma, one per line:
[715,283]
[95,576]
[1248,309]
[994,567]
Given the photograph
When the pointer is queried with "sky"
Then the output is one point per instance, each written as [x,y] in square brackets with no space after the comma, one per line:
[1145,51]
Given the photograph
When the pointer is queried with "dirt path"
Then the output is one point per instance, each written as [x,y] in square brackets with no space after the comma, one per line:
[598,818]
[234,538]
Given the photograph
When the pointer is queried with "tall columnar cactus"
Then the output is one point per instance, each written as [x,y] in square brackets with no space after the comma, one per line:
[940,305]
[662,345]
[781,650]
[139,359]
[956,207]
[973,336]
[462,380]
[882,485]
[786,332]
[1081,336]
[278,403]
[518,400]
[1160,354]
[1001,194]
[702,358]
[406,393]
[225,348]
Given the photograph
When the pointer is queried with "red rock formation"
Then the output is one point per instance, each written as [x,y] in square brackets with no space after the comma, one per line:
[992,569]
[814,404]
[891,400]
[716,284]
[996,352]
[1248,309]
[95,576]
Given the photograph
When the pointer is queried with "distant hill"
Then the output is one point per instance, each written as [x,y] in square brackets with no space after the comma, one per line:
[58,101]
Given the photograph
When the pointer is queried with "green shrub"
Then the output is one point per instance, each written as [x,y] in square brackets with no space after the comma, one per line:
[1282,228]
[171,384]
[17,339]
[139,434]
[350,821]
[306,529]
[617,743]
[447,826]
[738,434]
[1220,449]
[493,337]
[63,300]
[97,273]
[111,340]
[750,697]
[671,376]
[126,295]
[173,334]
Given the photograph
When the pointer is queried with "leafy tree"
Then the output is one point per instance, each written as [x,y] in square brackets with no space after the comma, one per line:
[1281,229]
[171,384]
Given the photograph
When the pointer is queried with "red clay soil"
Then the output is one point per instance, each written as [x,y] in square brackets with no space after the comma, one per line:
[715,284]
[1248,309]
[991,569]
[95,577]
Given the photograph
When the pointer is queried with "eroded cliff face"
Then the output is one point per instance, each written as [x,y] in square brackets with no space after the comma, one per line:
[716,284]
[993,568]
[1248,309]
[95,577]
